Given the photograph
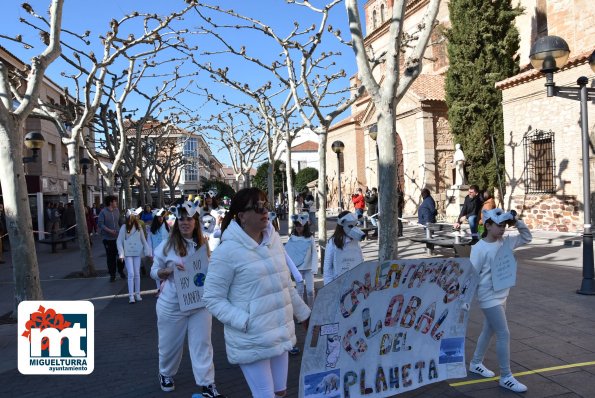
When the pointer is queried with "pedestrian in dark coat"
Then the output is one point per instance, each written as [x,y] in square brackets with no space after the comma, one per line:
[426,213]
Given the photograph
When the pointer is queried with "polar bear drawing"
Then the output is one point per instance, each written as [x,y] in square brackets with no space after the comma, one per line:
[328,384]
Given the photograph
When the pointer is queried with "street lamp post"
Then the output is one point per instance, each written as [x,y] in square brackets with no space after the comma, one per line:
[84,162]
[338,148]
[282,170]
[548,54]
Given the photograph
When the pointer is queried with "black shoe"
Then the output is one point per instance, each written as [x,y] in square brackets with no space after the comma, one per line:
[209,392]
[112,278]
[167,383]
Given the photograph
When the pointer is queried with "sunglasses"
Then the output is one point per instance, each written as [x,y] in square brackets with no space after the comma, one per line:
[259,208]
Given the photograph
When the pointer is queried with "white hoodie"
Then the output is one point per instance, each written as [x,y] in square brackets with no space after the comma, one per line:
[248,288]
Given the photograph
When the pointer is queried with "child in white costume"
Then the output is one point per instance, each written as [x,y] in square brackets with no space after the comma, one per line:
[493,302]
[158,232]
[211,229]
[343,251]
[173,325]
[301,248]
[131,245]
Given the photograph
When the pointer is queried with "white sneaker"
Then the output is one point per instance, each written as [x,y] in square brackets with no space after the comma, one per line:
[512,384]
[138,297]
[480,370]
[130,299]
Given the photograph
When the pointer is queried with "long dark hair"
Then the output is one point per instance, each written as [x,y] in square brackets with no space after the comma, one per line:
[177,241]
[156,224]
[243,198]
[214,203]
[339,235]
[305,232]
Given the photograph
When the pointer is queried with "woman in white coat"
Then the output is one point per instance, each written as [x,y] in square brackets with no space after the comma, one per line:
[248,288]
[131,245]
[158,232]
[183,243]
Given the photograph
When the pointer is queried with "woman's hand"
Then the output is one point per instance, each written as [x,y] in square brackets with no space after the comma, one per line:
[180,266]
[164,273]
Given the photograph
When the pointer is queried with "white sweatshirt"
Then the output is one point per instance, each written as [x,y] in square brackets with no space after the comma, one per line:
[482,257]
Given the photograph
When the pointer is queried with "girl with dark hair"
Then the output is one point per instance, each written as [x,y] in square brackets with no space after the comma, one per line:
[159,232]
[343,251]
[249,289]
[209,203]
[184,241]
[131,244]
[492,293]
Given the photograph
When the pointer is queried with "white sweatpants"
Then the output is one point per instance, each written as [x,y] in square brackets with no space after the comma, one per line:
[172,326]
[133,271]
[267,376]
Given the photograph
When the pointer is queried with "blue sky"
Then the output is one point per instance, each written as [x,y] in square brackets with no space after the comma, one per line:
[95,16]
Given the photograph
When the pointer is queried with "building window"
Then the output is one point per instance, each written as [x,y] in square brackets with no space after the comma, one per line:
[191,147]
[190,173]
[374,19]
[540,162]
[51,152]
[382,13]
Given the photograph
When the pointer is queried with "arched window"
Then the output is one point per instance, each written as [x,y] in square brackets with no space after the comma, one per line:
[374,19]
[382,13]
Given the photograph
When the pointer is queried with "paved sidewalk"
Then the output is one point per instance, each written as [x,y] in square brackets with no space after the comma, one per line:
[550,325]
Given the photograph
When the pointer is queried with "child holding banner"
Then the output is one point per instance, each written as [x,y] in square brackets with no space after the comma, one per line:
[132,245]
[182,246]
[342,250]
[494,261]
[249,289]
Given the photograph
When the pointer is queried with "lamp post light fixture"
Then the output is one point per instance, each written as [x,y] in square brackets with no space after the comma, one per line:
[34,141]
[373,133]
[338,147]
[548,54]
[85,163]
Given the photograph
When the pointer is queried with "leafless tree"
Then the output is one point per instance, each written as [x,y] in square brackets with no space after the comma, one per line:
[12,128]
[385,95]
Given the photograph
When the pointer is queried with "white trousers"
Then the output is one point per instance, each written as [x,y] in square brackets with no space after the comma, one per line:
[172,326]
[267,376]
[133,271]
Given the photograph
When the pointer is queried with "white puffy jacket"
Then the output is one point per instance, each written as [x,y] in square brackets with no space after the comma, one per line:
[249,289]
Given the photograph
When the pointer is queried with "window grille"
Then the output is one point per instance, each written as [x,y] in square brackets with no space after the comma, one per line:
[540,161]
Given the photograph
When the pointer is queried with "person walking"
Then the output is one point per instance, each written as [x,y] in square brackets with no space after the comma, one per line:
[371,199]
[400,209]
[173,325]
[147,215]
[159,232]
[359,203]
[343,251]
[301,248]
[484,257]
[109,226]
[3,231]
[426,213]
[310,205]
[249,289]
[470,211]
[131,245]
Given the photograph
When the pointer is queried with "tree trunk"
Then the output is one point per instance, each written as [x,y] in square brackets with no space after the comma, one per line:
[27,285]
[289,179]
[387,194]
[172,193]
[79,210]
[127,194]
[271,181]
[322,199]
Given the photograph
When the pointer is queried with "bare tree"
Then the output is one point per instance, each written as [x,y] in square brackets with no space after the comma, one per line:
[12,128]
[386,96]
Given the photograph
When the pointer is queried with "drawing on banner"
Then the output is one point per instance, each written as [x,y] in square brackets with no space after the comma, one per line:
[323,385]
[190,282]
[382,329]
[504,269]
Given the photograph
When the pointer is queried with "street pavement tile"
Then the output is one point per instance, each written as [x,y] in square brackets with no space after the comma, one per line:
[580,382]
[554,345]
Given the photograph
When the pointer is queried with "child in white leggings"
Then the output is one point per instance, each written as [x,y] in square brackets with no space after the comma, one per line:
[492,301]
[301,247]
[266,376]
[132,245]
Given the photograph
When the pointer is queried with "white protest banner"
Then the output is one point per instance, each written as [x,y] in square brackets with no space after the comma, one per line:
[383,329]
[190,282]
[504,269]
